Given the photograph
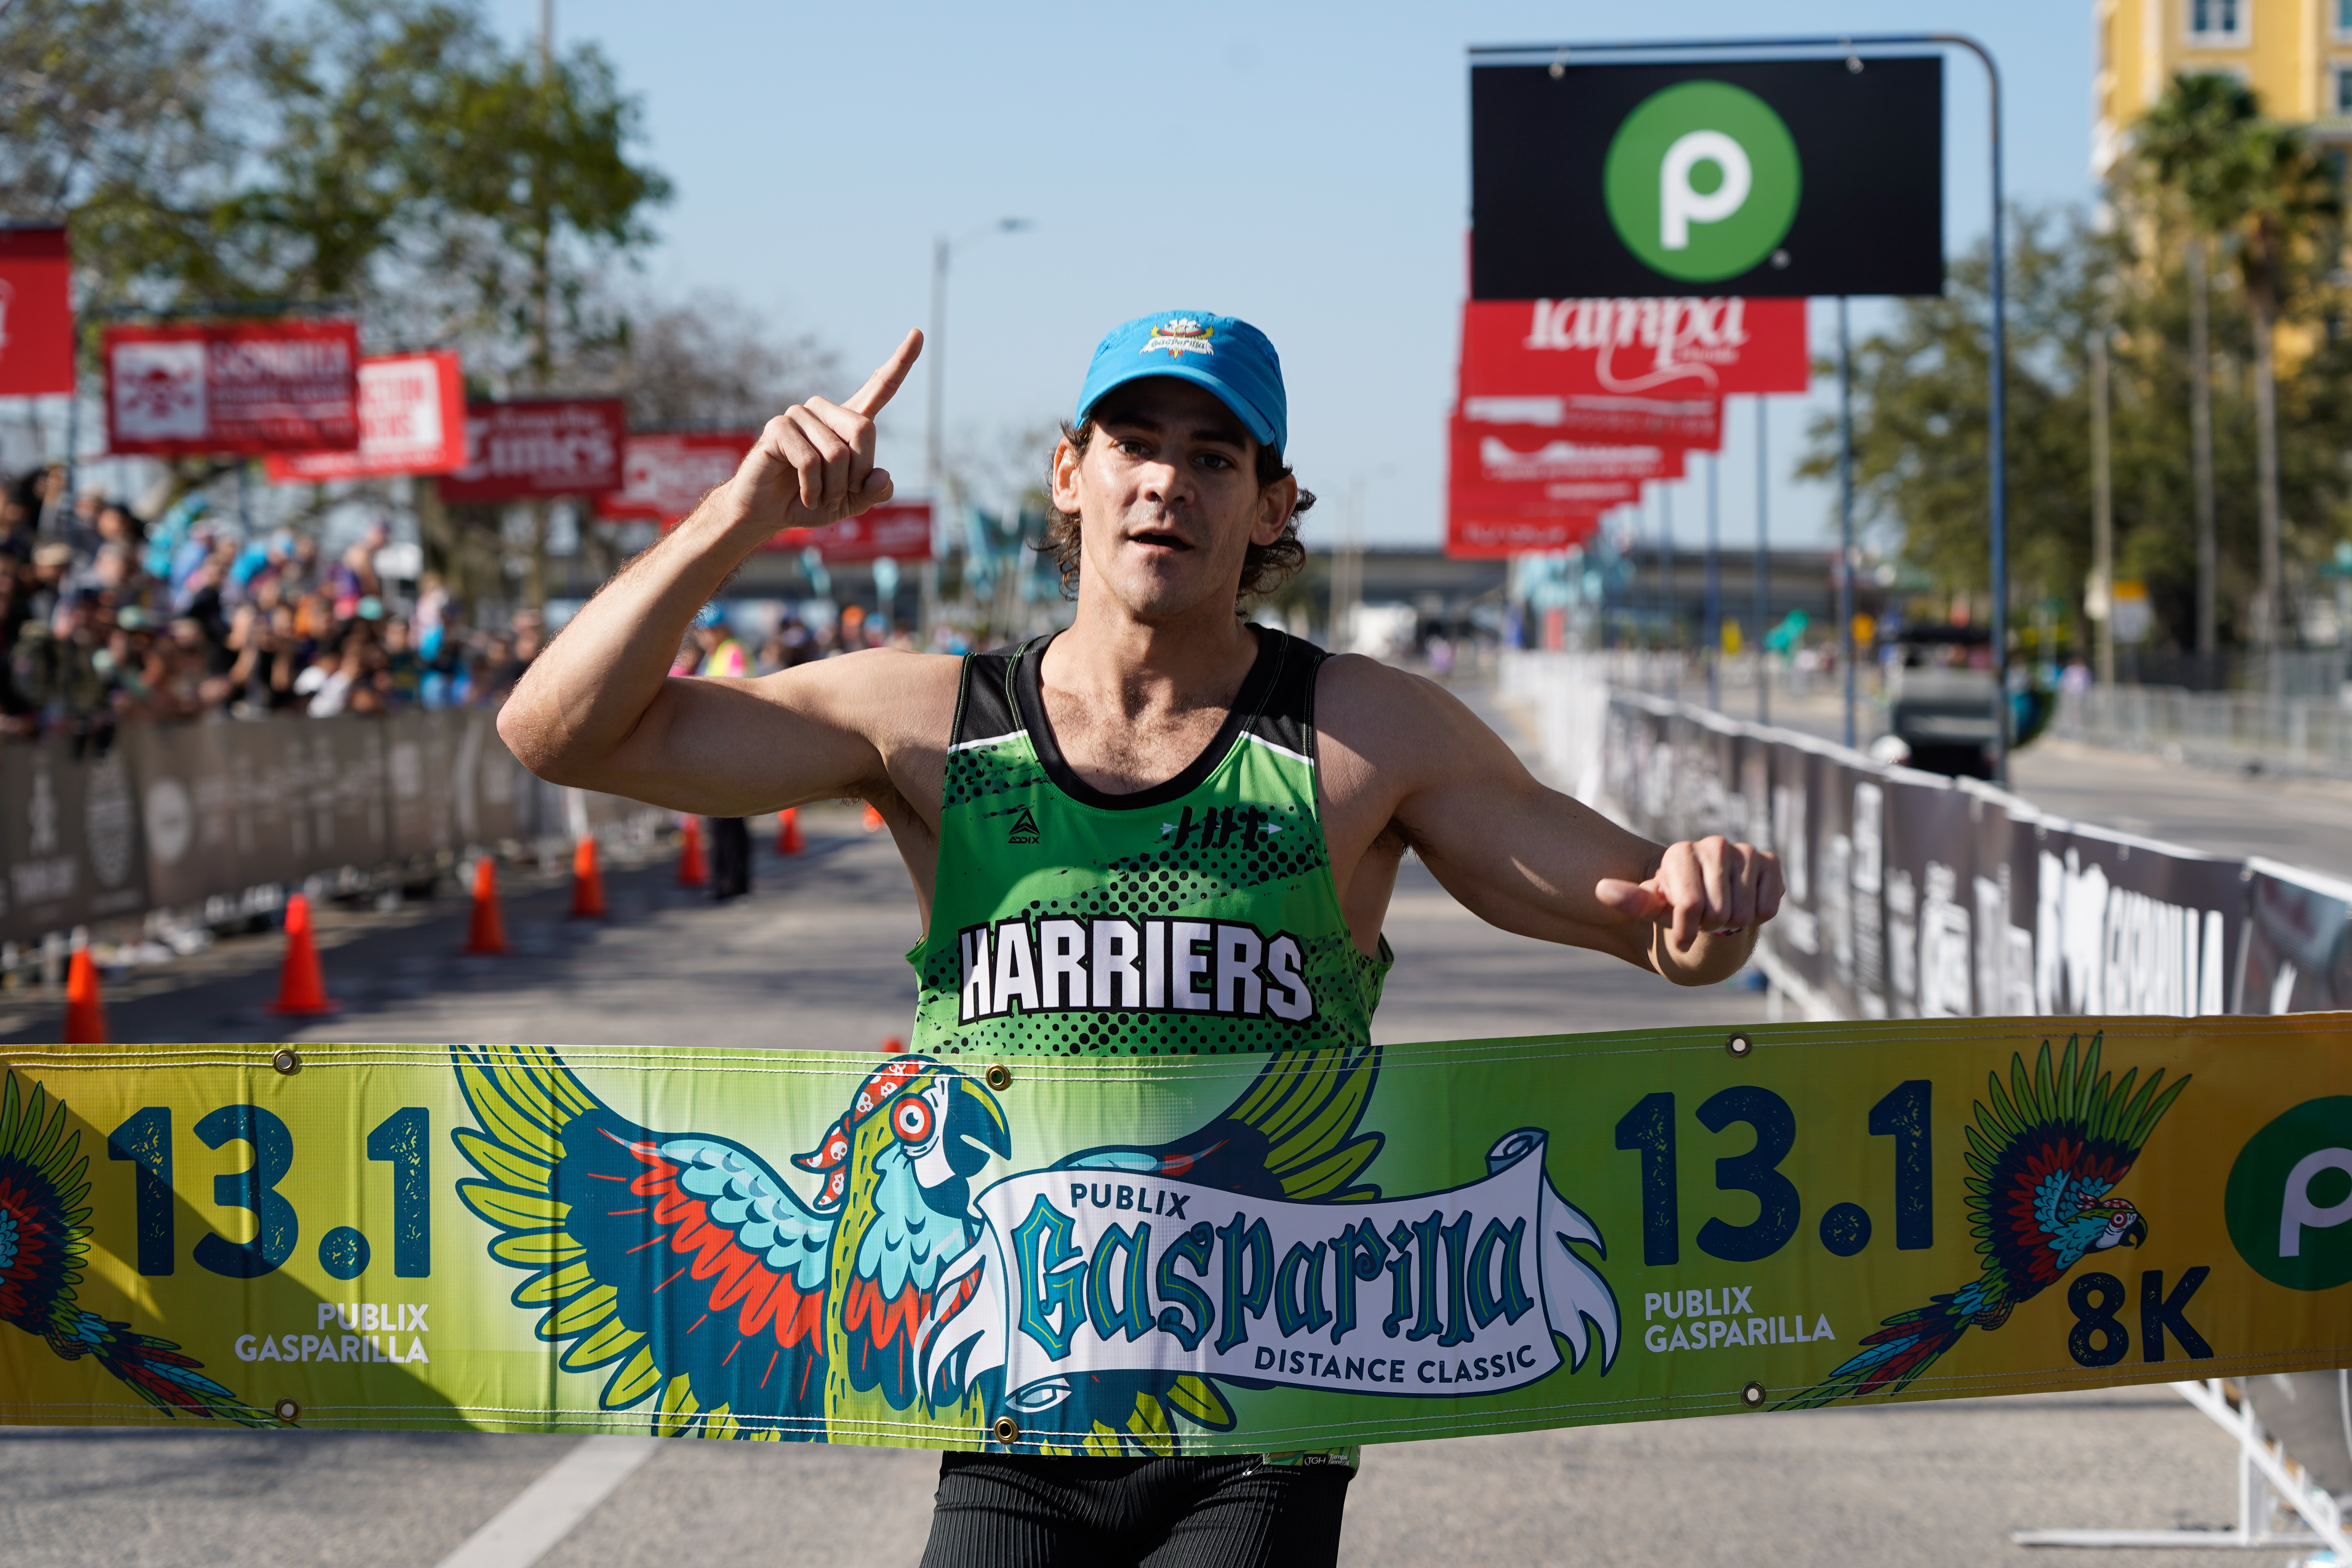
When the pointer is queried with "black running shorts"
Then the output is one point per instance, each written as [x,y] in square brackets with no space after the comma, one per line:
[1016,1511]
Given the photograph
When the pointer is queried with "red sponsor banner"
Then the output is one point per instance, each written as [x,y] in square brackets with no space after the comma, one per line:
[1667,348]
[36,356]
[412,421]
[1693,424]
[1482,536]
[1519,468]
[662,477]
[539,447]
[900,529]
[206,388]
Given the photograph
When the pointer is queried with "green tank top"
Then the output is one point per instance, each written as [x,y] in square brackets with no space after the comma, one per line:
[1198,917]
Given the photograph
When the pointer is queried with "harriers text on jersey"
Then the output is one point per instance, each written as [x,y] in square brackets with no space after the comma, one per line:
[1194,917]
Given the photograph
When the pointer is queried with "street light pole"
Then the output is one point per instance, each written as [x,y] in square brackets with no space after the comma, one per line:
[935,357]
[935,363]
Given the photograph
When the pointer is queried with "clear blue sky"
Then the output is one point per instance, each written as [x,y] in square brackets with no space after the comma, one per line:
[1303,166]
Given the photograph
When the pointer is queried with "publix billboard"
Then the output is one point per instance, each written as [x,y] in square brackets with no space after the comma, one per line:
[1754,178]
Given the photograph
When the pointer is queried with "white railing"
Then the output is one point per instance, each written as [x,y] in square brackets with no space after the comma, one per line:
[2229,729]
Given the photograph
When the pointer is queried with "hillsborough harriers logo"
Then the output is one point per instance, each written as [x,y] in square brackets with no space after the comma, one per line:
[1102,1301]
[1180,336]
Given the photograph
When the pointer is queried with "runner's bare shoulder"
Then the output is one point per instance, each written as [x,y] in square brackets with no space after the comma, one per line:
[1369,715]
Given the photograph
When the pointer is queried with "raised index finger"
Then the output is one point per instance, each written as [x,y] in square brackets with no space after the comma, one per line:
[883,385]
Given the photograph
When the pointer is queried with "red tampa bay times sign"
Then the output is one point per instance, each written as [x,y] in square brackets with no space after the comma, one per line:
[539,447]
[1665,348]
[412,421]
[665,477]
[1691,424]
[1513,489]
[1472,537]
[36,356]
[1526,465]
[201,388]
[899,530]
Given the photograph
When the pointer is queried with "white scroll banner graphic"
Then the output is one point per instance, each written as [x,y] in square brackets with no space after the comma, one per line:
[1086,1269]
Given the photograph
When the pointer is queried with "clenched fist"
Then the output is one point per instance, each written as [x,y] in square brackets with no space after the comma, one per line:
[1710,887]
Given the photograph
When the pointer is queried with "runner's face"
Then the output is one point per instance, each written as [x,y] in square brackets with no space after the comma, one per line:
[1167,498]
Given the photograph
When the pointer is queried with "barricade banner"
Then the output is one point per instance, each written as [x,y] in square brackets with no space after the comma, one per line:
[180,815]
[68,839]
[1911,895]
[1220,1254]
[2298,951]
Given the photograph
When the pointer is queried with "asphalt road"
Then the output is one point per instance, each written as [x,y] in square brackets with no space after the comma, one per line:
[2304,822]
[813,959]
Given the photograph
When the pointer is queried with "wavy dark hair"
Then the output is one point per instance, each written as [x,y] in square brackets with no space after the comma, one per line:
[1265,568]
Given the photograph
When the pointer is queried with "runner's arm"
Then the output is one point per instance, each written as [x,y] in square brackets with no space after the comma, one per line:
[1526,858]
[600,710]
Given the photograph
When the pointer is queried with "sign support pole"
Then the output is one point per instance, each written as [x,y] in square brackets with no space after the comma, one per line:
[1667,640]
[1845,514]
[1712,634]
[1763,569]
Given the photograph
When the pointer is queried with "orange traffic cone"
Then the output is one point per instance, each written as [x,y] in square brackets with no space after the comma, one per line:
[893,1047]
[788,831]
[692,871]
[487,930]
[85,1016]
[301,987]
[587,881]
[873,823]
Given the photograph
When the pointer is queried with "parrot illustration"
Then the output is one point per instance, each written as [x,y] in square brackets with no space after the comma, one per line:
[688,1265]
[44,1236]
[2044,1160]
[712,1288]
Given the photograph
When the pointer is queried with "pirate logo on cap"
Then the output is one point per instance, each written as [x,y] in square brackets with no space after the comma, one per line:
[1179,337]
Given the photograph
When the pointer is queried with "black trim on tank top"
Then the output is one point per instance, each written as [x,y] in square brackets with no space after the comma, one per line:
[983,698]
[1249,702]
[1286,717]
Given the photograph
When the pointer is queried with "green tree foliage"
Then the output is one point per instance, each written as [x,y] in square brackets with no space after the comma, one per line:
[100,95]
[1919,427]
[390,156]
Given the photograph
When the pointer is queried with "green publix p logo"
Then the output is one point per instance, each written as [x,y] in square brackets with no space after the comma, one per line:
[1702,181]
[2289,1197]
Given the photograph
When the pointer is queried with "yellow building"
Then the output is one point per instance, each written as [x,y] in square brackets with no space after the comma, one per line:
[2296,54]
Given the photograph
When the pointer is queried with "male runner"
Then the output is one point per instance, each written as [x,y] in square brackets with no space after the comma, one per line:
[1161,756]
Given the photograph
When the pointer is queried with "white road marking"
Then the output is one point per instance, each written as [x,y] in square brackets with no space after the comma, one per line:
[544,1512]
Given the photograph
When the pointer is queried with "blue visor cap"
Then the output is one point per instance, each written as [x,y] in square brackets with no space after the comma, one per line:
[1223,354]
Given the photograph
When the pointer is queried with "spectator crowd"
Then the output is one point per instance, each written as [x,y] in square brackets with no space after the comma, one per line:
[106,619]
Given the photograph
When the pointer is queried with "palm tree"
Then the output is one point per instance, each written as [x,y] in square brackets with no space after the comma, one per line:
[2189,141]
[2259,183]
[2286,193]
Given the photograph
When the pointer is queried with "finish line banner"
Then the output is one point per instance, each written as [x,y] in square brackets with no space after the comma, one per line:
[1283,1254]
